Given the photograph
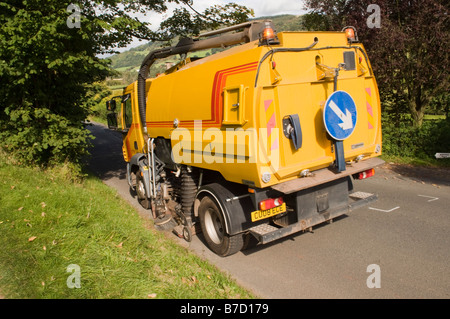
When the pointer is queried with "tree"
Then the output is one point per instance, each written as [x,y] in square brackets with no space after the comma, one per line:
[409,52]
[50,66]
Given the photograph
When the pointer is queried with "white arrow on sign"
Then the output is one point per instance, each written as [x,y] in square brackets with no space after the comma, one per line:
[346,118]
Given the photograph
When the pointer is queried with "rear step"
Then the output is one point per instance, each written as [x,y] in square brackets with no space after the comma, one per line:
[266,233]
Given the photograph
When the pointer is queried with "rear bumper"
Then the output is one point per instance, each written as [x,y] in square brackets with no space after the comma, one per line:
[266,233]
[326,175]
[315,200]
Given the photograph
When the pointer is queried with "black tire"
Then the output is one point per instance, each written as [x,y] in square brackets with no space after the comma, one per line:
[213,228]
[141,192]
[187,234]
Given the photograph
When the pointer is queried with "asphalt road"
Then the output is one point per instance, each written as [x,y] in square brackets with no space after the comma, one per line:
[400,243]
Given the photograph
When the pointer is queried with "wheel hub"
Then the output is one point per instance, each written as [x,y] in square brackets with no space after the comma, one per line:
[214,226]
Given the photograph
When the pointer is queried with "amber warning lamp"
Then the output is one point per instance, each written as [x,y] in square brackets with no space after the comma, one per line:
[350,33]
[268,33]
[268,36]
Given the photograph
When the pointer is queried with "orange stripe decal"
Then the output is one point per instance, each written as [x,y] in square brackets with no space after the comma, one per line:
[271,123]
[219,84]
[370,118]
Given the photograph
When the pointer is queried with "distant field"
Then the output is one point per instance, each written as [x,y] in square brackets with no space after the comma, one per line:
[434,117]
[125,69]
[117,89]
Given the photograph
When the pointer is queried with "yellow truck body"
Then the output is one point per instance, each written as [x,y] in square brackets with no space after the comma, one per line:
[233,113]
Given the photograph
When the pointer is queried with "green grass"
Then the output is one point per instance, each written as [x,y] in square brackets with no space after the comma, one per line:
[98,119]
[118,87]
[48,223]
[415,161]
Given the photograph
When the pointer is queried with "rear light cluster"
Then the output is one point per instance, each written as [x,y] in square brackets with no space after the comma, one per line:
[365,174]
[270,203]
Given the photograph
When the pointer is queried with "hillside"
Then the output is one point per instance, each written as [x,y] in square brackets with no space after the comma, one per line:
[130,61]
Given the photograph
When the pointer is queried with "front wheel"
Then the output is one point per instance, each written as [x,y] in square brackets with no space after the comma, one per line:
[213,227]
[141,192]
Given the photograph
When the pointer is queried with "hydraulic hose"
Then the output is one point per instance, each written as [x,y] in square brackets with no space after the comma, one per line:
[143,74]
[250,33]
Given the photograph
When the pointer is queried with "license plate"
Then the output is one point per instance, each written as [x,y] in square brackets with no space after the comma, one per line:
[262,214]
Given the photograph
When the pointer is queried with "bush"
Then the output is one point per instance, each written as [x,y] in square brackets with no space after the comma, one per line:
[48,73]
[38,137]
[434,137]
[401,138]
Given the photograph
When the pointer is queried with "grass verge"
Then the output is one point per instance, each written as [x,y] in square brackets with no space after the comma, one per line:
[415,161]
[48,223]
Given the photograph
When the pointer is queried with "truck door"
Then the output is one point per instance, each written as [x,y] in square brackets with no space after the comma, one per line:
[127,115]
[130,145]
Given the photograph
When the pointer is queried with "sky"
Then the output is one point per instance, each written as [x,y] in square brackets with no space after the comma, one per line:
[260,7]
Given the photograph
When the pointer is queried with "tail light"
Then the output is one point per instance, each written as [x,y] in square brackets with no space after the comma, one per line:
[270,203]
[365,174]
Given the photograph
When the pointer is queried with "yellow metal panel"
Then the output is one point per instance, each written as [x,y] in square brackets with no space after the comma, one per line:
[243,142]
[233,105]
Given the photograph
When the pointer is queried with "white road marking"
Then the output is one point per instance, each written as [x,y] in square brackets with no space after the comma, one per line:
[385,211]
[430,200]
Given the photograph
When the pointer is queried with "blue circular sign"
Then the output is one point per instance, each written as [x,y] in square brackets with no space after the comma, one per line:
[339,115]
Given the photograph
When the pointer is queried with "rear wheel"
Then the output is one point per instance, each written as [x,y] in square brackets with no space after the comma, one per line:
[213,227]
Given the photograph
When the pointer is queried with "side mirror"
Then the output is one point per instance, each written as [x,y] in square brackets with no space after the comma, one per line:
[111,105]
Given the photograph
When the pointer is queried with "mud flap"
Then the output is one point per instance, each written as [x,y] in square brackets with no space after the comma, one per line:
[138,161]
[233,203]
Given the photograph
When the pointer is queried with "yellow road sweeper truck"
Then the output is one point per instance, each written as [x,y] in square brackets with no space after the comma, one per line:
[256,142]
